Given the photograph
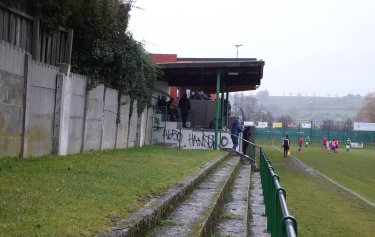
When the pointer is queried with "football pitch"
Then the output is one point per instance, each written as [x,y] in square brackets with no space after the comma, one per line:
[329,194]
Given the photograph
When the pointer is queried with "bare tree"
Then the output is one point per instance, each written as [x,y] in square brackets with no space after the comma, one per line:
[262,95]
[251,108]
[284,119]
[367,112]
[328,124]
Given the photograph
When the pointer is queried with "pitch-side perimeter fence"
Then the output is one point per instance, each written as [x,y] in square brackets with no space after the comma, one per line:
[316,130]
[279,221]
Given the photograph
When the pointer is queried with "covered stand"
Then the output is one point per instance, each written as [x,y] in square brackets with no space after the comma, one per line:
[214,75]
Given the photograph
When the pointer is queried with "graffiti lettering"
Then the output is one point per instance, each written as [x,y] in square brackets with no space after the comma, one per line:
[157,124]
[204,140]
[171,134]
[224,141]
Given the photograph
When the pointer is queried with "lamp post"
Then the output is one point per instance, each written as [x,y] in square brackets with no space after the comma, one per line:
[237,46]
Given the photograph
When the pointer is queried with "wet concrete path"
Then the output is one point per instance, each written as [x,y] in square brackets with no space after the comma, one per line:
[234,221]
[187,219]
[231,189]
[258,220]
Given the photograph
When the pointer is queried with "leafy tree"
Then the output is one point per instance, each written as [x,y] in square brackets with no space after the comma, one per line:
[367,112]
[105,52]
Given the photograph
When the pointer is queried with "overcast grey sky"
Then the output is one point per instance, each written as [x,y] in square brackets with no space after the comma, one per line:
[326,47]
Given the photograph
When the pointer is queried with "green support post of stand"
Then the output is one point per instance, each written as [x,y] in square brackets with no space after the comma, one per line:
[226,106]
[221,116]
[217,110]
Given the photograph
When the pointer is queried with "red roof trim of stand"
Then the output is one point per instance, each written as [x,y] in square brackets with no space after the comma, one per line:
[164,58]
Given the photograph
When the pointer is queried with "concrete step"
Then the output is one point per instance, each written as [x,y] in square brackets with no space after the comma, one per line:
[146,218]
[244,158]
[235,218]
[196,206]
[244,213]
[199,213]
[258,218]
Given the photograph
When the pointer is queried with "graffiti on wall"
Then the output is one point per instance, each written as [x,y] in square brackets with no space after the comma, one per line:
[156,125]
[172,134]
[201,140]
[191,139]
[206,140]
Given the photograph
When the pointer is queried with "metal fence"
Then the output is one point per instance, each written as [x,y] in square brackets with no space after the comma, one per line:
[316,131]
[279,221]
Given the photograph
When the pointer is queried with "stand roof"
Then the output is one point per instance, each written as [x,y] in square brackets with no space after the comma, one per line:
[240,74]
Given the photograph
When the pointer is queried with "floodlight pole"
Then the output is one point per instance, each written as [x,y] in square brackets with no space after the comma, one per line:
[237,46]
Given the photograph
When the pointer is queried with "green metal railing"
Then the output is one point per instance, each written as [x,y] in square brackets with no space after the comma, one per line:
[252,156]
[279,221]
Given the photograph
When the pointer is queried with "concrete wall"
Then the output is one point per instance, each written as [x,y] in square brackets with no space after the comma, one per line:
[141,128]
[40,108]
[77,113]
[148,131]
[109,118]
[62,115]
[94,116]
[133,126]
[12,61]
[123,123]
[48,110]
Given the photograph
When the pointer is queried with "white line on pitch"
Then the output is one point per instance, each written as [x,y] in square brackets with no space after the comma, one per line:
[334,182]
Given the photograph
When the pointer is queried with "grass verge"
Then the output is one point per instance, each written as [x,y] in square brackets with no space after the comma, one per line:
[80,195]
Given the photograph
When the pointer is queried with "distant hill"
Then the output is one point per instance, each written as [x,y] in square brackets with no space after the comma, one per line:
[313,108]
